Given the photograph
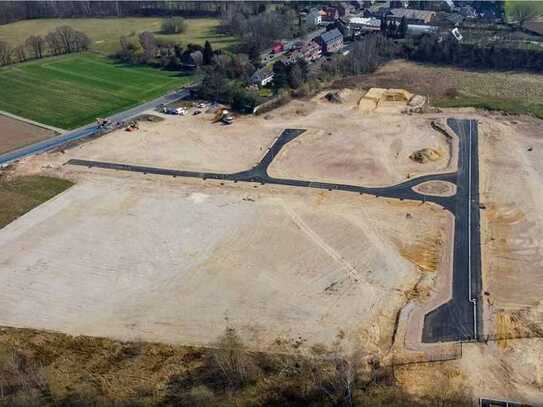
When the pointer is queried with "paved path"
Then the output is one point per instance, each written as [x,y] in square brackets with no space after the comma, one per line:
[32,122]
[88,130]
[458,319]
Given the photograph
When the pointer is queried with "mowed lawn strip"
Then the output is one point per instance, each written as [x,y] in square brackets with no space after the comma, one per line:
[21,194]
[73,90]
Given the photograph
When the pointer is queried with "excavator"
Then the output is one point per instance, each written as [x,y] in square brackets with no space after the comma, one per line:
[223,116]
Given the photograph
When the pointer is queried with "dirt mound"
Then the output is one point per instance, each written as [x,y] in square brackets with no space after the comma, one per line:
[425,155]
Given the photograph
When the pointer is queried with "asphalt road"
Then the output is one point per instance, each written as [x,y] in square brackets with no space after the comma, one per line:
[461,317]
[458,319]
[89,130]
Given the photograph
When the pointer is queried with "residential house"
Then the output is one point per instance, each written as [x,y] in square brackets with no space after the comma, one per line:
[308,50]
[330,14]
[313,17]
[344,8]
[311,51]
[453,19]
[277,47]
[364,24]
[534,27]
[192,60]
[415,30]
[262,77]
[411,15]
[331,41]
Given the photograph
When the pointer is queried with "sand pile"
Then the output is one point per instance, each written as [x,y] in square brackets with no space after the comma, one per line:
[424,155]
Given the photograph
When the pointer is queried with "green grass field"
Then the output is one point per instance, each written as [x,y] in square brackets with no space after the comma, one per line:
[71,91]
[105,32]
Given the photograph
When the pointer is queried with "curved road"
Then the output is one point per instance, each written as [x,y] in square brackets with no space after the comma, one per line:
[458,319]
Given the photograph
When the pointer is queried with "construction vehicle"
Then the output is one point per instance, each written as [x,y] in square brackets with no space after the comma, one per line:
[222,115]
[103,123]
[133,125]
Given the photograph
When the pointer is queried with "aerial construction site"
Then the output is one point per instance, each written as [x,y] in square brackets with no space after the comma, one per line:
[353,219]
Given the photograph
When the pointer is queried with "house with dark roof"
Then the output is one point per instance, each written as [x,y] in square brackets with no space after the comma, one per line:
[331,41]
[330,14]
[313,17]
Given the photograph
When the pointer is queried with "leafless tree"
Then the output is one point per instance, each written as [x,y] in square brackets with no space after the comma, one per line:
[54,43]
[67,36]
[232,360]
[148,43]
[6,53]
[81,41]
[20,53]
[36,43]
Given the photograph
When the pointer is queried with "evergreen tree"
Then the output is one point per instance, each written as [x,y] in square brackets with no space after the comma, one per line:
[280,77]
[403,28]
[208,53]
[383,26]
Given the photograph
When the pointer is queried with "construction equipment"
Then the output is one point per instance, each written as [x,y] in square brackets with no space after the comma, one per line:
[103,123]
[132,126]
[179,111]
[222,115]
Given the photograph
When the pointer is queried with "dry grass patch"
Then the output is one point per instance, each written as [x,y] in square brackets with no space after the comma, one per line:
[513,92]
[21,194]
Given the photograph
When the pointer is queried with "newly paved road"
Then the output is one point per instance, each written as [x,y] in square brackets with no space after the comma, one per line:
[459,319]
[89,130]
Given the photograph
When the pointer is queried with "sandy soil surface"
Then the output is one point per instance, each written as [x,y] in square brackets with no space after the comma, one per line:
[437,188]
[184,142]
[484,371]
[15,134]
[170,261]
[176,260]
[341,144]
[346,146]
[512,224]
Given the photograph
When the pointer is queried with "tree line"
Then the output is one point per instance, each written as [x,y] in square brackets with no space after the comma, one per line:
[257,32]
[62,40]
[448,51]
[150,50]
[11,11]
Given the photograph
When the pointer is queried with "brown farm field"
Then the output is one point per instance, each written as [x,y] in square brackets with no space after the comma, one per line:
[16,134]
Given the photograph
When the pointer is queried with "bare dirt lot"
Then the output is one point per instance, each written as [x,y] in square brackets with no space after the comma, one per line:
[512,152]
[171,262]
[15,134]
[135,256]
[340,145]
[190,142]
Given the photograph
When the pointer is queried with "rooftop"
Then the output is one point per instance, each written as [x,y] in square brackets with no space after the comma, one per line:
[412,13]
[331,35]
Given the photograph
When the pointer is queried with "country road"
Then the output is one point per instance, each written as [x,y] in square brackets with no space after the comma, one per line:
[88,130]
[458,319]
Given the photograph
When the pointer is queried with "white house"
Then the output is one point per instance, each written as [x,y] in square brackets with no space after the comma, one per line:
[313,17]
[262,77]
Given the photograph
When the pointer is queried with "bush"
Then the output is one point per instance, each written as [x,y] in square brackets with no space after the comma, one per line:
[451,93]
[174,25]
